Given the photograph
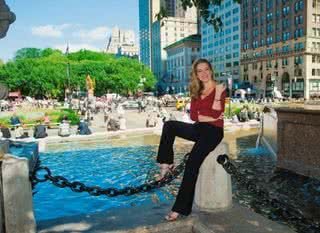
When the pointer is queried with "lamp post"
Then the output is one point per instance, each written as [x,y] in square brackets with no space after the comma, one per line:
[229,79]
[141,83]
[68,90]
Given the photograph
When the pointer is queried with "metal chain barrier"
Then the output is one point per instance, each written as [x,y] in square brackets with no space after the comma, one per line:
[285,212]
[77,186]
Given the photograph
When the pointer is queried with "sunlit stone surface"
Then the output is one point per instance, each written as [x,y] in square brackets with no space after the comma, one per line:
[299,139]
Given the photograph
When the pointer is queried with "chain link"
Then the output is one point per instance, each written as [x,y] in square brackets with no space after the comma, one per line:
[79,187]
[283,210]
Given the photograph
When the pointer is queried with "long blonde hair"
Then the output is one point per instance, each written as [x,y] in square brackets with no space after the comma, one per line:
[196,85]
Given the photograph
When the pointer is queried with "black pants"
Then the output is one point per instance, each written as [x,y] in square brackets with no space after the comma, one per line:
[206,138]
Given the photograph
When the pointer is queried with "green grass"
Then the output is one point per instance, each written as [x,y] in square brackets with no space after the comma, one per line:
[55,116]
[236,108]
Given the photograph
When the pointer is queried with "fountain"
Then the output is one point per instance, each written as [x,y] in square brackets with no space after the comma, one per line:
[292,133]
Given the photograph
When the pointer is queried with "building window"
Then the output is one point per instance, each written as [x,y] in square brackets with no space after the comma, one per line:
[298,60]
[285,10]
[285,62]
[298,6]
[285,36]
[298,20]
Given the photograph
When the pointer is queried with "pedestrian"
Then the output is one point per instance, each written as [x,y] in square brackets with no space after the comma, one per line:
[83,128]
[46,120]
[207,108]
[15,120]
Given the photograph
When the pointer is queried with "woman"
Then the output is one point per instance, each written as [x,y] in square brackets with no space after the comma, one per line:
[207,108]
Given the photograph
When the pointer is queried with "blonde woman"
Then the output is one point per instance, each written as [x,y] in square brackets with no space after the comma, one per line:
[207,108]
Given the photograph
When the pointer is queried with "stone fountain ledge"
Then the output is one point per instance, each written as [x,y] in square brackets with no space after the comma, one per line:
[298,139]
[229,126]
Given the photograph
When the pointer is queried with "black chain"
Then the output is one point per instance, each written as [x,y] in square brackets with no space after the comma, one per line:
[77,186]
[283,210]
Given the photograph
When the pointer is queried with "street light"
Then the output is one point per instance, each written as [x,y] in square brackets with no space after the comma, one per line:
[68,90]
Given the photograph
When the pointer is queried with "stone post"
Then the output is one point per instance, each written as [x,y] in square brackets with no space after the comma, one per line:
[17,196]
[213,188]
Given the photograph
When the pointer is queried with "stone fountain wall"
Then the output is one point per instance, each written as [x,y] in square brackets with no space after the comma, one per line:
[298,140]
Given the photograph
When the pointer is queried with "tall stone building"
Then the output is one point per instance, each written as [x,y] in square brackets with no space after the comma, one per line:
[149,27]
[166,32]
[122,42]
[280,47]
[222,48]
[180,57]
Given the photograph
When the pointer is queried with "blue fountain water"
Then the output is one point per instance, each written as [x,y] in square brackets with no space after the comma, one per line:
[116,167]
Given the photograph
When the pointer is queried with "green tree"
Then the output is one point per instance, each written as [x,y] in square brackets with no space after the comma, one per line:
[27,53]
[42,72]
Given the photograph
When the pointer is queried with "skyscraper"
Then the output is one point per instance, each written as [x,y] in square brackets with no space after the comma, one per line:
[147,15]
[222,48]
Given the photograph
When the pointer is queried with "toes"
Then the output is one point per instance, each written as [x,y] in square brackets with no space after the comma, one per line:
[172,216]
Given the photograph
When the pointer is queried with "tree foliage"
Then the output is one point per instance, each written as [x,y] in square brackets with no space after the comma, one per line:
[43,72]
[202,6]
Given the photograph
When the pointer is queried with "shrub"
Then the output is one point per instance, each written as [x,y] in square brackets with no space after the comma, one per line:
[72,116]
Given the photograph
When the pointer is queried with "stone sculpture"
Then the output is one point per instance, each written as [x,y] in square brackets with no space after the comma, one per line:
[6,18]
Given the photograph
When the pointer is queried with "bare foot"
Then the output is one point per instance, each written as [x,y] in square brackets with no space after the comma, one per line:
[164,170]
[172,216]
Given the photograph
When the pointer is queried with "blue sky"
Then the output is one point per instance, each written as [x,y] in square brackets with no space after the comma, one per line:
[54,23]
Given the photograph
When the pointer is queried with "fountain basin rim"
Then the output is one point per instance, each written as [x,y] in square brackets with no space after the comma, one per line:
[315,110]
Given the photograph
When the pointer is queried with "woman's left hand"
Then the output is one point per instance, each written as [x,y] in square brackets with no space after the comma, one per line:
[219,90]
[217,98]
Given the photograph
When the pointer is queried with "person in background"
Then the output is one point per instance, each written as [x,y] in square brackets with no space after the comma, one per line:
[207,108]
[19,132]
[40,130]
[46,120]
[83,128]
[5,131]
[64,127]
[15,120]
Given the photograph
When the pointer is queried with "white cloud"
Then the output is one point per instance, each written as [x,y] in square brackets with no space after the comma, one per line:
[98,33]
[49,30]
[74,47]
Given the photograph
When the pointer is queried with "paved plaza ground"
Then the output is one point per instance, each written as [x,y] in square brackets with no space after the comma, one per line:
[134,120]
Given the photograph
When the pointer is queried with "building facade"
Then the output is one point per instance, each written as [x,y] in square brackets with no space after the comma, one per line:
[222,48]
[122,43]
[280,47]
[180,56]
[167,31]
